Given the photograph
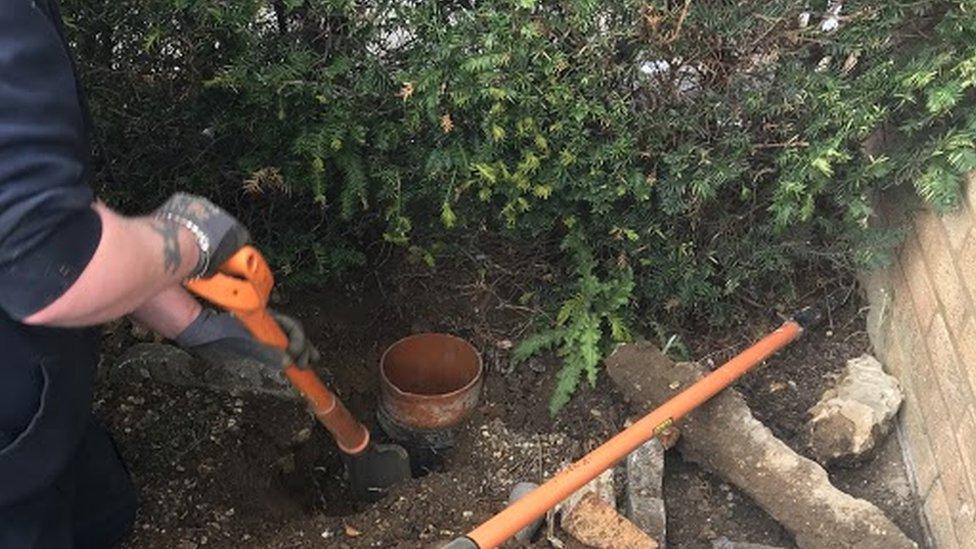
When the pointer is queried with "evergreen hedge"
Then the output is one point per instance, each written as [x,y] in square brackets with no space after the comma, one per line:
[678,152]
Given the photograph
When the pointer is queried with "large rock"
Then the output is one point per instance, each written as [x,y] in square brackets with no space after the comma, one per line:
[168,364]
[644,494]
[724,437]
[852,419]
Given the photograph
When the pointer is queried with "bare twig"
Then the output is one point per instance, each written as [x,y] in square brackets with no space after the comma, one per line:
[676,31]
[784,145]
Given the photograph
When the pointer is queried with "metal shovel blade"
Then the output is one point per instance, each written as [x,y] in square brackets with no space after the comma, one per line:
[376,469]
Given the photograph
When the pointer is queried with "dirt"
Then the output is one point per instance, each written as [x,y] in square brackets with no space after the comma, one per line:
[225,470]
[701,507]
[882,481]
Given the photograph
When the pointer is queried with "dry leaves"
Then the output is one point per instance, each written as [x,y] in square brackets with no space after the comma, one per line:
[405,91]
[446,123]
[264,178]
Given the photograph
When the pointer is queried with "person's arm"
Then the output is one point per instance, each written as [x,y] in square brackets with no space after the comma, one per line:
[66,260]
[219,337]
[169,312]
[136,258]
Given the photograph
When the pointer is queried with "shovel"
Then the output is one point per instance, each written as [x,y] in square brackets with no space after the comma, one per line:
[242,286]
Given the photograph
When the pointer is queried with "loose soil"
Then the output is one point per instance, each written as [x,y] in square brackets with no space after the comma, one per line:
[239,470]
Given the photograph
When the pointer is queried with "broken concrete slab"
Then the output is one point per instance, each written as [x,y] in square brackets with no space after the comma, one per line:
[602,486]
[595,523]
[725,543]
[724,437]
[852,418]
[160,362]
[644,493]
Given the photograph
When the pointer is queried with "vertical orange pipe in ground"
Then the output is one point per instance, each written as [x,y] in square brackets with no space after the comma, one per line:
[533,505]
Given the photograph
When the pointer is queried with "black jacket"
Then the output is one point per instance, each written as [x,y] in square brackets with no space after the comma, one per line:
[48,234]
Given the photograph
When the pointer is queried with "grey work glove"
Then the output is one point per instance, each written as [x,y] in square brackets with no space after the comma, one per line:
[218,234]
[220,338]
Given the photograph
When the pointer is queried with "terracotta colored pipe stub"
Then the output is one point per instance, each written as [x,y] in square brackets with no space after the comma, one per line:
[430,381]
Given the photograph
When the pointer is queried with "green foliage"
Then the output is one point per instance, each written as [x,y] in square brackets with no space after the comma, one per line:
[594,311]
[680,153]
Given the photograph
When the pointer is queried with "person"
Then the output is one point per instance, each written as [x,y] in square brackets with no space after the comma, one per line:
[68,263]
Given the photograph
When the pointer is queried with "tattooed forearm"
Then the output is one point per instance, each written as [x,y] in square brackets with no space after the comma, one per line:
[170,231]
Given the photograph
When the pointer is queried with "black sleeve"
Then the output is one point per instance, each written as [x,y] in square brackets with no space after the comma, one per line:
[48,231]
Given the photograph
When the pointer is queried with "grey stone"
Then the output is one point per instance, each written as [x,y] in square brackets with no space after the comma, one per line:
[518,492]
[165,363]
[853,417]
[644,494]
[644,502]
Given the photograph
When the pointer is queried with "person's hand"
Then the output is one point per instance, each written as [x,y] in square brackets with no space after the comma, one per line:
[221,338]
[218,234]
[300,350]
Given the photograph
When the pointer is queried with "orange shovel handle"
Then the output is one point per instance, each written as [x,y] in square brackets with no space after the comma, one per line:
[533,505]
[242,287]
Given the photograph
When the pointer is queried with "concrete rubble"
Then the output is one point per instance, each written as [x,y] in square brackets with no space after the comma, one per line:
[602,486]
[723,436]
[595,523]
[644,491]
[725,543]
[852,419]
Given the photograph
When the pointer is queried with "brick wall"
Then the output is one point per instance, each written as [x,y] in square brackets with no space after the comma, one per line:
[923,326]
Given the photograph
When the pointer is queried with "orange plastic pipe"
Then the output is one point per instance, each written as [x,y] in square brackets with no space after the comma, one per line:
[533,505]
[243,287]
